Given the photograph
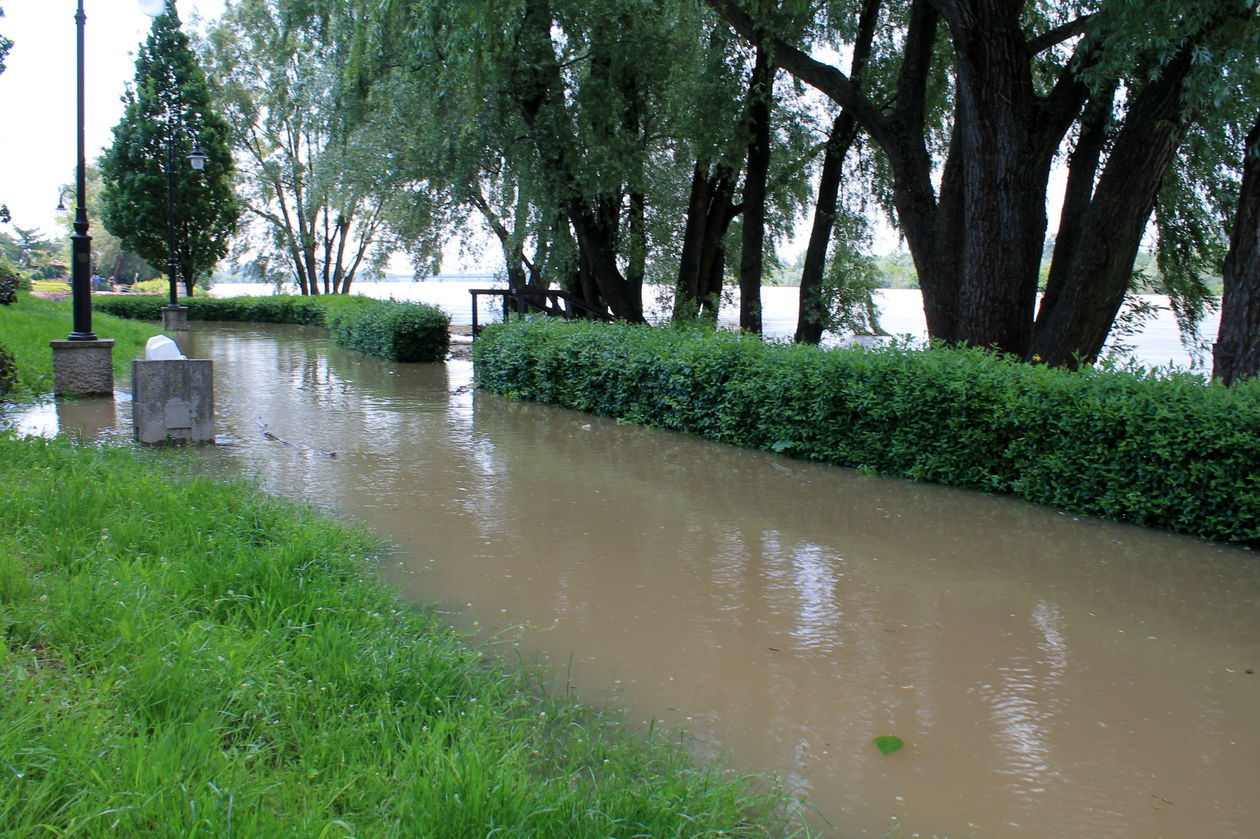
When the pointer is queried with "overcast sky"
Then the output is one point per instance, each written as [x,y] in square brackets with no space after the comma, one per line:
[37,92]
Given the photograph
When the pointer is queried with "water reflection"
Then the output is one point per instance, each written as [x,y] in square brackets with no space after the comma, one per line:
[1051,676]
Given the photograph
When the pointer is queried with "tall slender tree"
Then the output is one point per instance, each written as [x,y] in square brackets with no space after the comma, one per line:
[167,110]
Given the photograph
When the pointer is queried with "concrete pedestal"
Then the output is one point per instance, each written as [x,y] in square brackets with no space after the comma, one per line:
[83,368]
[172,401]
[174,318]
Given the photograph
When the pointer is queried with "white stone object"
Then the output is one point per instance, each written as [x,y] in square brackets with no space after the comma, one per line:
[161,348]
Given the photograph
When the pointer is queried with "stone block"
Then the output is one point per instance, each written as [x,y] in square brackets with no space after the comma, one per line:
[174,318]
[83,368]
[172,401]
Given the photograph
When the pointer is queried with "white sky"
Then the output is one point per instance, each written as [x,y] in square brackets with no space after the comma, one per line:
[37,92]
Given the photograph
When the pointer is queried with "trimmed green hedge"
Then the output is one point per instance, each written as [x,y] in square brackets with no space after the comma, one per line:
[388,329]
[1170,452]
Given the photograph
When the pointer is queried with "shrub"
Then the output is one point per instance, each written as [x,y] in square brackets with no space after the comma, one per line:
[8,290]
[393,330]
[8,370]
[386,329]
[1170,452]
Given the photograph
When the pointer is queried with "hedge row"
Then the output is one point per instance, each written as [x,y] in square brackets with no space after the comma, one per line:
[1169,452]
[388,329]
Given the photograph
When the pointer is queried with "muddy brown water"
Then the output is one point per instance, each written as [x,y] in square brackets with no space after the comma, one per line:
[1050,676]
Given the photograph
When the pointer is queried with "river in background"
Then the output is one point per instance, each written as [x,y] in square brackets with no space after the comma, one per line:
[1158,343]
[1051,676]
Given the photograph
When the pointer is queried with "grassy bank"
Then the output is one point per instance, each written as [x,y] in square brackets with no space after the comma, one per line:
[27,326]
[181,657]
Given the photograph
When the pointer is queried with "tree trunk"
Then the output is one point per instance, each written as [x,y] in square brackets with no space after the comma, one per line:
[1082,173]
[710,211]
[755,179]
[812,317]
[1075,327]
[1236,354]
[538,91]
[1005,181]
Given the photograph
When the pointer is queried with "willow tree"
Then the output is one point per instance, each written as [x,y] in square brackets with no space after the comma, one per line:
[1021,74]
[316,191]
[166,111]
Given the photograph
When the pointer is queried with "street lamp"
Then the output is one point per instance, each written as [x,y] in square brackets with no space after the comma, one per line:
[61,199]
[80,241]
[198,158]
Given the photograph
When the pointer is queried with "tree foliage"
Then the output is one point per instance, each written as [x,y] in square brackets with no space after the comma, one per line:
[967,158]
[317,186]
[166,109]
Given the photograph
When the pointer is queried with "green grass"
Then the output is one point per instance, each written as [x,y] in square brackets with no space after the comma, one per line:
[182,657]
[27,326]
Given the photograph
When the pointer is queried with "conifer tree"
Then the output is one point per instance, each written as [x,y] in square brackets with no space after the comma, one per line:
[167,110]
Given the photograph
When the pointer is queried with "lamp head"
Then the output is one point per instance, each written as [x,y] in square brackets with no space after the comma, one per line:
[153,8]
[198,157]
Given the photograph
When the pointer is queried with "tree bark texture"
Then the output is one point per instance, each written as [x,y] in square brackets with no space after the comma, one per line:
[1100,265]
[756,176]
[1236,354]
[710,210]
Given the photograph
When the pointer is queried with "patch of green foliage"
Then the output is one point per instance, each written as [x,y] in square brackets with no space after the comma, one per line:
[181,656]
[1167,451]
[389,329]
[392,330]
[27,327]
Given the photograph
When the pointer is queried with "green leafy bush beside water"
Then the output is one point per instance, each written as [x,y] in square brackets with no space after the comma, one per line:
[393,330]
[184,657]
[1169,451]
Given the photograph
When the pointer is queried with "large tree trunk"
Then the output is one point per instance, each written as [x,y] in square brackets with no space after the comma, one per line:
[1082,174]
[710,211]
[756,177]
[1236,354]
[1074,327]
[1005,181]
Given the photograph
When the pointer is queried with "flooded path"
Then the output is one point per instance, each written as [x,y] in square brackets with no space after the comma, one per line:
[1051,677]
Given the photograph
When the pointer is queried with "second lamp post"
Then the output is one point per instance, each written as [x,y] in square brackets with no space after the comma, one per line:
[174,316]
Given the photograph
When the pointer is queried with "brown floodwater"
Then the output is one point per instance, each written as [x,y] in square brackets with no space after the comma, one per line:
[1051,676]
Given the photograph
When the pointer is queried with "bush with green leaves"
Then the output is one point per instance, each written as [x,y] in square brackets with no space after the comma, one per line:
[8,370]
[388,329]
[393,330]
[1167,451]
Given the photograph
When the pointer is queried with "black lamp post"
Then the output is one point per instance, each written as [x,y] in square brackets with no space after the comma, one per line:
[80,241]
[198,160]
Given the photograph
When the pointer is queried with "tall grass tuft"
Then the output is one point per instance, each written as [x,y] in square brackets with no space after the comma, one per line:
[182,657]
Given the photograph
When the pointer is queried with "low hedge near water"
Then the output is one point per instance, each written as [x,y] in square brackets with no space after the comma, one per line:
[389,329]
[1171,452]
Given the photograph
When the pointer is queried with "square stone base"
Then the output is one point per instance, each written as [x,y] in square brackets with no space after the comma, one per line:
[174,318]
[83,368]
[172,400]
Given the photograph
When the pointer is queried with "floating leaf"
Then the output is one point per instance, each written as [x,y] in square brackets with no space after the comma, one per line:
[888,743]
